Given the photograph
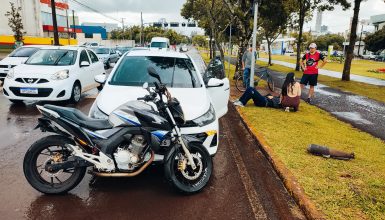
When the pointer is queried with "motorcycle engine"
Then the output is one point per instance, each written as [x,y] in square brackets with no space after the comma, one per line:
[127,156]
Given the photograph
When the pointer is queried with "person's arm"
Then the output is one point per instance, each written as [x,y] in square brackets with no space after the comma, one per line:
[243,60]
[303,63]
[299,89]
[280,98]
[324,61]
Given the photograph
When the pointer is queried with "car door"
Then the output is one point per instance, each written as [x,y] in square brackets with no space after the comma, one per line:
[96,66]
[113,55]
[85,72]
[219,93]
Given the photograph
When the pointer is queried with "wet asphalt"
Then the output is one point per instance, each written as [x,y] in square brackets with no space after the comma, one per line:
[243,185]
[363,113]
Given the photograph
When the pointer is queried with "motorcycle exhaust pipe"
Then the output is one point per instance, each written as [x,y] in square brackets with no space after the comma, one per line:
[128,174]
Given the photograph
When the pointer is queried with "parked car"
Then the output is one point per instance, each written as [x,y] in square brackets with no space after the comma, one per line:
[18,56]
[183,48]
[53,74]
[91,44]
[203,101]
[107,56]
[123,50]
[380,57]
[160,43]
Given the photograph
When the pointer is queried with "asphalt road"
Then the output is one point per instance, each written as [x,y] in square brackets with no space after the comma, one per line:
[243,185]
[364,113]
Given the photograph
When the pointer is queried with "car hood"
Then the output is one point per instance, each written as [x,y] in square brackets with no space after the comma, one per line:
[13,60]
[194,101]
[25,70]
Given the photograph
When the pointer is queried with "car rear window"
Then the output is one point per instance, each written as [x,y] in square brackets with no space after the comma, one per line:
[174,72]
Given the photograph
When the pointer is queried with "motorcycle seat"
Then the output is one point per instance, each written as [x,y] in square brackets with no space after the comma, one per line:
[80,118]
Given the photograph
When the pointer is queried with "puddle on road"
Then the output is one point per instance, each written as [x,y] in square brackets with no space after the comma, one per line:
[353,116]
[324,92]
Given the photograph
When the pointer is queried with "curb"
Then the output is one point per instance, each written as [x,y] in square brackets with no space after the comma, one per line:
[290,182]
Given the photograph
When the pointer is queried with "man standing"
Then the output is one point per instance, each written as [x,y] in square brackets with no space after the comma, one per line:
[310,68]
[246,66]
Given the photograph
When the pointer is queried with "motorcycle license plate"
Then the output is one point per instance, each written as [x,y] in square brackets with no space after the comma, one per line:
[29,91]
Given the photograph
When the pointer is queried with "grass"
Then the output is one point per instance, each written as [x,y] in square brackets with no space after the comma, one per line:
[341,189]
[363,89]
[359,67]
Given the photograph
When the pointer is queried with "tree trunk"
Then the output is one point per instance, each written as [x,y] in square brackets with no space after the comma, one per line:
[299,43]
[210,46]
[269,49]
[241,50]
[352,41]
[222,54]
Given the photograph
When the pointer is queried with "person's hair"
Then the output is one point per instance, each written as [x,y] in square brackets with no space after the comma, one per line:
[288,84]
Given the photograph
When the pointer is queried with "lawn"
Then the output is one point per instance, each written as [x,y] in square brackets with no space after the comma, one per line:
[363,89]
[359,67]
[341,189]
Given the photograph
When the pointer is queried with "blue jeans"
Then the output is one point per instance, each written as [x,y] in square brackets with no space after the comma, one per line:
[252,93]
[246,77]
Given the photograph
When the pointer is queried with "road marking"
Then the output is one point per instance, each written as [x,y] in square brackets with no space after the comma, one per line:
[252,195]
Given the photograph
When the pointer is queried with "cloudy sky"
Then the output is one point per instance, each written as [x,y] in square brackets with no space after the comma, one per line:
[153,10]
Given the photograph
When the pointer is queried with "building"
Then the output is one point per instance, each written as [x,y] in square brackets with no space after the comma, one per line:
[318,22]
[37,21]
[378,21]
[90,31]
[108,26]
[324,29]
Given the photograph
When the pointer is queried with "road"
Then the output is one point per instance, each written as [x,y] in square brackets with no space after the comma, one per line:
[243,185]
[364,113]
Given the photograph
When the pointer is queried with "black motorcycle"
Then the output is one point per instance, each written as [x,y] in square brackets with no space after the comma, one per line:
[122,146]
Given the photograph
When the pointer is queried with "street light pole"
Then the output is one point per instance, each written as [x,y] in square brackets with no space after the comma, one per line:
[54,23]
[228,74]
[359,42]
[254,43]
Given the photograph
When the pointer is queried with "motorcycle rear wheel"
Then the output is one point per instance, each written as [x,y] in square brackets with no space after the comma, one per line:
[49,150]
[189,181]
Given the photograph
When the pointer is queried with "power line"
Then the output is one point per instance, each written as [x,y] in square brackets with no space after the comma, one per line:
[94,10]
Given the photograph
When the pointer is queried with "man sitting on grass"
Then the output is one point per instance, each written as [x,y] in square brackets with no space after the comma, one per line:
[289,98]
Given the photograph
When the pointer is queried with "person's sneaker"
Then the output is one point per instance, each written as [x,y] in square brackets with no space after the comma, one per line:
[287,109]
[308,100]
[238,103]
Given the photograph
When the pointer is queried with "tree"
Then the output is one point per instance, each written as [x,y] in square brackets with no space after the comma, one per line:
[352,41]
[324,41]
[303,9]
[199,40]
[376,41]
[15,22]
[272,24]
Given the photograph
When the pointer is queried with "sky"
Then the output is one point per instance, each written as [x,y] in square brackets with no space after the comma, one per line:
[153,10]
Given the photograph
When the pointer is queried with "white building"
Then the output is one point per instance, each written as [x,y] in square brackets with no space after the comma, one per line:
[378,21]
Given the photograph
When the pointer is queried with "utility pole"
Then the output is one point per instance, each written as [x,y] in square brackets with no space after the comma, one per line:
[123,27]
[54,22]
[73,21]
[141,29]
[359,42]
[68,30]
[254,43]
[228,74]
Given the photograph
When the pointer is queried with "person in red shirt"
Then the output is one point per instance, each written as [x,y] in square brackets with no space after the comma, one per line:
[310,68]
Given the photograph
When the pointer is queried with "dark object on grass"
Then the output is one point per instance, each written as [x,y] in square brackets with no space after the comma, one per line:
[327,152]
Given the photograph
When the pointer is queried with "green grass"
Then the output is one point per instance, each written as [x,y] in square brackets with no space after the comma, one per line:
[359,67]
[341,189]
[363,89]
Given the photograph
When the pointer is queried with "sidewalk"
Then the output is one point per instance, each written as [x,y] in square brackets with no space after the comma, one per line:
[334,74]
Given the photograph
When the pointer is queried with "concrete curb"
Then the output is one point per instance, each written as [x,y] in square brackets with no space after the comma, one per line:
[290,182]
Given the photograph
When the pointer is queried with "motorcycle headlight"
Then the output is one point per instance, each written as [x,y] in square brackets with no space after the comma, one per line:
[11,73]
[63,74]
[96,113]
[206,118]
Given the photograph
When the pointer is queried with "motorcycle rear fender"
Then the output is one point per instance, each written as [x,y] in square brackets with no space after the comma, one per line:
[45,125]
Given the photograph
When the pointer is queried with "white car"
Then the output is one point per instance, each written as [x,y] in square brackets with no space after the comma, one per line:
[17,57]
[53,74]
[203,101]
[107,55]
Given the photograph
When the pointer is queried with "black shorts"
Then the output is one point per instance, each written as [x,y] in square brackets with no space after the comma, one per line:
[310,79]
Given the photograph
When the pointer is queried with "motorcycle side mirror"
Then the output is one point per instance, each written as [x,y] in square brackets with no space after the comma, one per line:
[153,73]
[145,86]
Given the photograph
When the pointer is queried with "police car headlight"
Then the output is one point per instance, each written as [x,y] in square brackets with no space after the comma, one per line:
[206,118]
[63,74]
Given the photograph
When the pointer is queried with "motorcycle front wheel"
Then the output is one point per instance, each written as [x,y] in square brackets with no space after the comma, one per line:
[180,174]
[47,151]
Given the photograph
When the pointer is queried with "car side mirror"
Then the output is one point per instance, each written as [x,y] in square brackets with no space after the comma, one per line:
[213,82]
[101,78]
[84,64]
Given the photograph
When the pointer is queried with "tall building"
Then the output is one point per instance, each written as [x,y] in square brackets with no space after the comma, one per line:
[318,22]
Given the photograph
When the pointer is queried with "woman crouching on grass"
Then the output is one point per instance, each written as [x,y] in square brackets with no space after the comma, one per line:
[289,98]
[291,93]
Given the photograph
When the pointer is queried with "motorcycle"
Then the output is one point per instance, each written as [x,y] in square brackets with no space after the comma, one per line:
[121,146]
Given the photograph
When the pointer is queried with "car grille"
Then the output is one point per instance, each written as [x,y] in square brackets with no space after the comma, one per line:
[31,80]
[6,66]
[3,74]
[42,92]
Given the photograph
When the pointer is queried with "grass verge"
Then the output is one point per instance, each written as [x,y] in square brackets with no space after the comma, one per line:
[363,89]
[340,189]
[359,67]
